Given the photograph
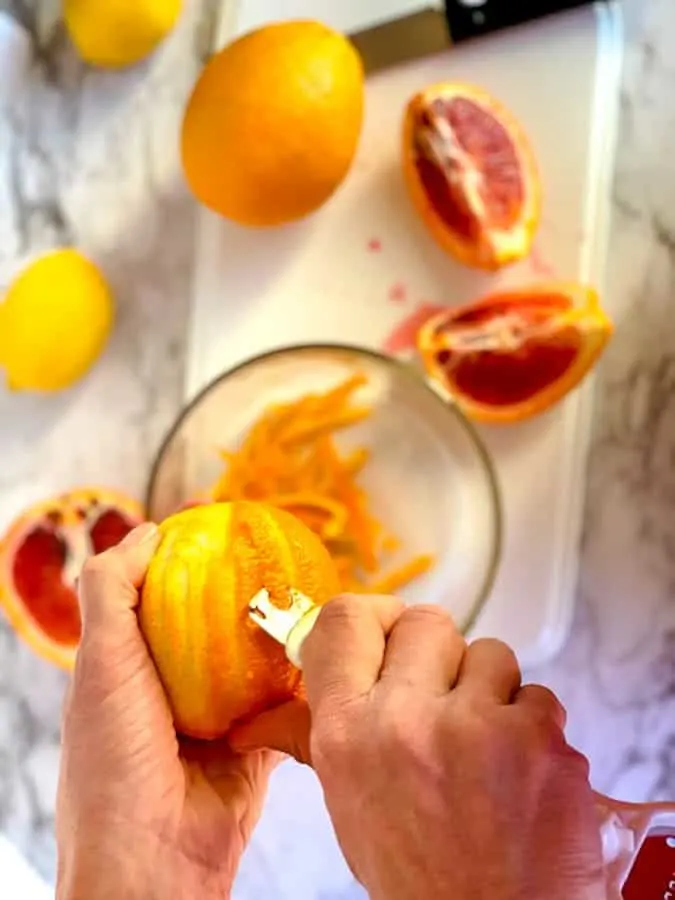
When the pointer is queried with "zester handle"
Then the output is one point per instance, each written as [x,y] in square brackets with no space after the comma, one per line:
[298,635]
[472,18]
[623,827]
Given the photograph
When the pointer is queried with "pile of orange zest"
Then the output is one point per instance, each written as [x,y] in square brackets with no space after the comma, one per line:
[290,459]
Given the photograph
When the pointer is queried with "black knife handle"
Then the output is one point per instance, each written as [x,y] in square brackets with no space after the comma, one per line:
[472,18]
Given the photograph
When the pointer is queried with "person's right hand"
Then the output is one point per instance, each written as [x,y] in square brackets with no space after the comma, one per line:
[443,776]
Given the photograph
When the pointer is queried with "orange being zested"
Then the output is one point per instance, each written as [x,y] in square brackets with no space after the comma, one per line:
[471,174]
[288,513]
[218,666]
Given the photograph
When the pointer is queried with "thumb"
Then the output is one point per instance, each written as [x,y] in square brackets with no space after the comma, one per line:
[113,659]
[285,728]
[109,582]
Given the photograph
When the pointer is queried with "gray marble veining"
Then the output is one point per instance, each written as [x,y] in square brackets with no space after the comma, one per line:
[617,673]
[91,158]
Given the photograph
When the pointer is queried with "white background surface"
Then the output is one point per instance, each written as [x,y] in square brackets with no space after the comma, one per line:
[315,280]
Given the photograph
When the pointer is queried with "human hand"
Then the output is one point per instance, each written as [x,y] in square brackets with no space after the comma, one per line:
[443,776]
[142,814]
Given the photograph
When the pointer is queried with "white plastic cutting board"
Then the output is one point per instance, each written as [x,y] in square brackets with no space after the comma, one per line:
[318,280]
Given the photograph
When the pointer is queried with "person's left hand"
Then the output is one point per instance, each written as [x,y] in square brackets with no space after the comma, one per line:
[142,814]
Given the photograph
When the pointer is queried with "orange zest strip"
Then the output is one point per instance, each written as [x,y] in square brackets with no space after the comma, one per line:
[399,578]
[290,459]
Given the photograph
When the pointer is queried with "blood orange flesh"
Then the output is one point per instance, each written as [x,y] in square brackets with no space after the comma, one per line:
[512,355]
[37,573]
[471,174]
[108,529]
[460,147]
[535,355]
[41,557]
[40,563]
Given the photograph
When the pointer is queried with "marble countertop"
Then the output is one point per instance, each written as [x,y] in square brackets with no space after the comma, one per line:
[91,158]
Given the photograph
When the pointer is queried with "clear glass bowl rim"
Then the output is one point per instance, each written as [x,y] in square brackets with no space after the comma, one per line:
[404,370]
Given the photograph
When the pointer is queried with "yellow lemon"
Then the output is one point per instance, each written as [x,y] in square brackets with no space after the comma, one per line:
[54,322]
[116,33]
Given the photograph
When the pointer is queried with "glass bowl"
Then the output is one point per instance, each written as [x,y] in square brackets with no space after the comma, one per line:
[430,478]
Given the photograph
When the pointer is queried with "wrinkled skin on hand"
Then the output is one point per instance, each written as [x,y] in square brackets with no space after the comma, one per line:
[142,813]
[444,777]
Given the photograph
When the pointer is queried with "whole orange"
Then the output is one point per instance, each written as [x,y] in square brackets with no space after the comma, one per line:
[273,123]
[216,665]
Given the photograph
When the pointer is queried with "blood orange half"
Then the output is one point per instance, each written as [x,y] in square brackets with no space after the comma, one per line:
[41,557]
[471,174]
[514,354]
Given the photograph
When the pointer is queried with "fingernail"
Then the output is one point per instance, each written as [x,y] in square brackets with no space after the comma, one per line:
[146,532]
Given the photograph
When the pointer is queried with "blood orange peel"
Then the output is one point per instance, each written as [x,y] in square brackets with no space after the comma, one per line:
[513,355]
[41,556]
[471,174]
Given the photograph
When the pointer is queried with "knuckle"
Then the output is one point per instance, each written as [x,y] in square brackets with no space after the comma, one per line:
[546,747]
[578,763]
[428,615]
[340,616]
[350,610]
[341,609]
[545,737]
[544,696]
[498,650]
[100,575]
[495,645]
[545,706]
[96,571]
